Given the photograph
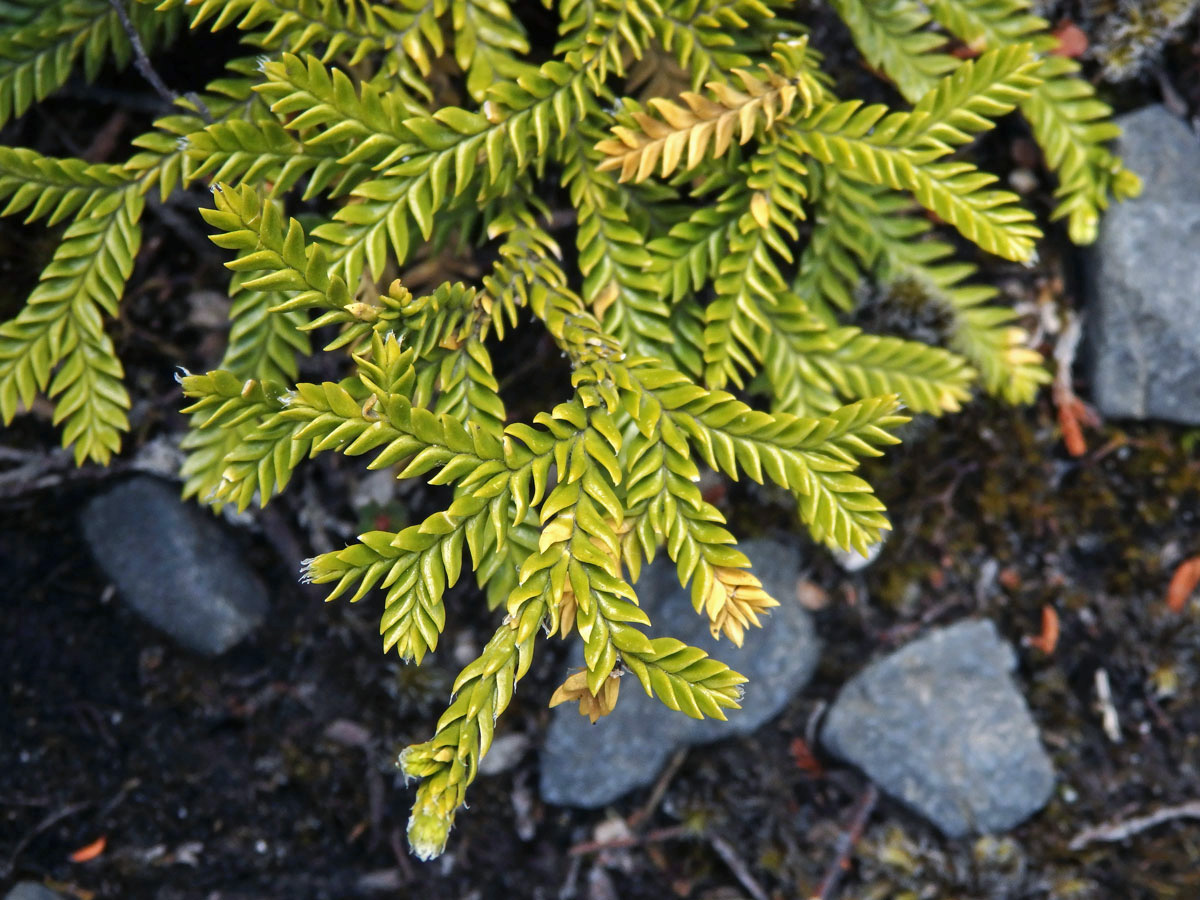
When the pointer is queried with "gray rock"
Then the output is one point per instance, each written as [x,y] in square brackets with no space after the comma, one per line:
[590,765]
[31,890]
[1144,279]
[940,725]
[174,565]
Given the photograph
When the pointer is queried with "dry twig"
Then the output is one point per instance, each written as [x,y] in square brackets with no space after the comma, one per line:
[45,825]
[1108,710]
[845,845]
[741,873]
[660,788]
[1126,828]
[633,840]
[142,63]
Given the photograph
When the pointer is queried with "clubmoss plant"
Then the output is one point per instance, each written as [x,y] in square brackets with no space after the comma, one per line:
[721,222]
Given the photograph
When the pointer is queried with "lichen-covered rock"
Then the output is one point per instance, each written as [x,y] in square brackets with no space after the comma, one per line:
[174,565]
[940,725]
[590,765]
[1144,279]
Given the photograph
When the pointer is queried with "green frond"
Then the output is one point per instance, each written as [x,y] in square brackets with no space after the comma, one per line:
[928,379]
[812,457]
[228,409]
[687,324]
[262,348]
[362,124]
[497,571]
[62,327]
[894,37]
[688,256]
[1068,121]
[205,449]
[748,281]
[687,679]
[418,41]
[970,100]
[263,344]
[449,761]
[1072,127]
[613,257]
[813,368]
[261,462]
[487,43]
[268,243]
[237,151]
[871,232]
[327,28]
[53,189]
[987,24]
[710,37]
[355,416]
[856,139]
[435,167]
[664,502]
[416,567]
[468,389]
[984,333]
[829,269]
[38,53]
[843,243]
[598,35]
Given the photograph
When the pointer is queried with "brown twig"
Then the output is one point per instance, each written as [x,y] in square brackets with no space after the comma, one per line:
[142,63]
[38,471]
[733,861]
[660,788]
[45,825]
[850,837]
[1119,831]
[633,840]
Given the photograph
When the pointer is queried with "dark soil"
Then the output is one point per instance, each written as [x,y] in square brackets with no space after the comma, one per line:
[269,772]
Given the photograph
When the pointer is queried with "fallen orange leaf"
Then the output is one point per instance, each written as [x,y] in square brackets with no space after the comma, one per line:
[90,851]
[1072,42]
[805,760]
[1072,433]
[1048,639]
[1183,582]
[1073,414]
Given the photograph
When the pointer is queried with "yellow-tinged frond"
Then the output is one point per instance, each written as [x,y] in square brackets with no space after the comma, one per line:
[734,602]
[705,127]
[594,705]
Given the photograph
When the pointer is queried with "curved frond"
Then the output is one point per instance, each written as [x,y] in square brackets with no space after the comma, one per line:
[39,52]
[856,140]
[62,327]
[893,36]
[1069,122]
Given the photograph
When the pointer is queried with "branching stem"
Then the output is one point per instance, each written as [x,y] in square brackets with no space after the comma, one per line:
[147,70]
